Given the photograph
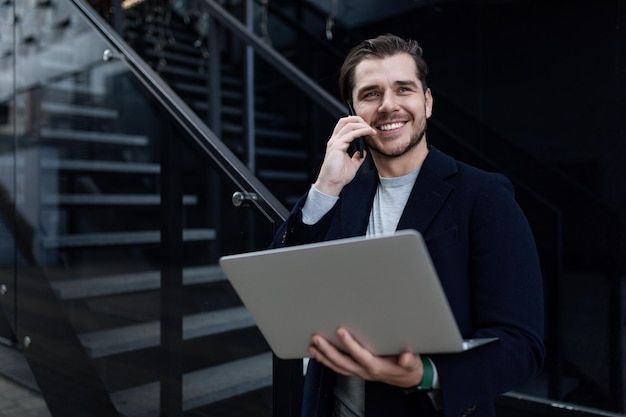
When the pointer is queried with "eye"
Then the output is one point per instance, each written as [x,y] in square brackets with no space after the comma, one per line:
[370,95]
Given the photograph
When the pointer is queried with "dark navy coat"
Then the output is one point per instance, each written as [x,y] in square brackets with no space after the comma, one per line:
[484,252]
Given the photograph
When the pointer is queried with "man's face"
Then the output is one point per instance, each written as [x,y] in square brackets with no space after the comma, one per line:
[389,96]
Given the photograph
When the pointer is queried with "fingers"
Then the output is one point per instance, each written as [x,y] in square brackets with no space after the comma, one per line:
[352,359]
[338,167]
[325,353]
[348,129]
[354,348]
[403,370]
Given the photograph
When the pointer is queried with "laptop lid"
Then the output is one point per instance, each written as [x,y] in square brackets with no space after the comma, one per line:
[383,289]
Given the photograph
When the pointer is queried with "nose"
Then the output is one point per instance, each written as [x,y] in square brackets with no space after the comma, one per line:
[388,104]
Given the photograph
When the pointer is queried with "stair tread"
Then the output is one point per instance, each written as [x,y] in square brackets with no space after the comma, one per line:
[268,132]
[238,111]
[120,238]
[201,387]
[79,110]
[94,136]
[86,90]
[280,153]
[70,289]
[145,335]
[179,45]
[108,166]
[275,174]
[233,81]
[110,199]
[193,60]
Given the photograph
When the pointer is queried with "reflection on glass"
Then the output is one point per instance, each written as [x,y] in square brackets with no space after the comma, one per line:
[89,196]
[8,255]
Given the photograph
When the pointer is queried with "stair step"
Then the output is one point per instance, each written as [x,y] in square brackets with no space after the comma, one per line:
[206,386]
[270,133]
[279,134]
[92,136]
[67,86]
[174,57]
[146,335]
[180,35]
[200,76]
[120,238]
[203,105]
[272,174]
[103,166]
[179,45]
[111,199]
[194,88]
[71,289]
[238,111]
[79,110]
[280,153]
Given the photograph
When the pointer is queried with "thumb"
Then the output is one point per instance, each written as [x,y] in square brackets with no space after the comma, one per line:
[408,361]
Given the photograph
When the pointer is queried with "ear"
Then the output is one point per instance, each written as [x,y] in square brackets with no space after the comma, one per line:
[428,98]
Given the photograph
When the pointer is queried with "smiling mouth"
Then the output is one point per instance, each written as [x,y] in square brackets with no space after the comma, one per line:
[391,126]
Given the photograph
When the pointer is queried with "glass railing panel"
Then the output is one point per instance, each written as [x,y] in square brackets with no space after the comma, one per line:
[7,175]
[7,52]
[91,140]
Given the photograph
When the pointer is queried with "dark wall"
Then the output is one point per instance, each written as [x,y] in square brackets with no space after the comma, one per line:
[536,90]
[548,75]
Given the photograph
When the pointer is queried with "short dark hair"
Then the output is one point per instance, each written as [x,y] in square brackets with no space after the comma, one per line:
[379,47]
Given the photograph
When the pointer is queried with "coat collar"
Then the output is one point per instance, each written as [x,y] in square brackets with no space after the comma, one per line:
[428,195]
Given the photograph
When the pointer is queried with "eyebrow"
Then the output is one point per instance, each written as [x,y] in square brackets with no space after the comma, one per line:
[368,88]
[410,83]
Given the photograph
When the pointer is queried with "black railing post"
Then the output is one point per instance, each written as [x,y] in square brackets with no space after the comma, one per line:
[171,379]
[615,311]
[288,387]
[215,81]
[249,93]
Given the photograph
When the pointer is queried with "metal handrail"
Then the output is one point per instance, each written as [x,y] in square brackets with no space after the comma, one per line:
[204,137]
[300,80]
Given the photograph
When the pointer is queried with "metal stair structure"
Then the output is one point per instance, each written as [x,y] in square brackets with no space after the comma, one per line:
[81,187]
[170,44]
[92,170]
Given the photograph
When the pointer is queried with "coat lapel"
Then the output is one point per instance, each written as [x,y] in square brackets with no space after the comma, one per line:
[357,200]
[427,197]
[429,193]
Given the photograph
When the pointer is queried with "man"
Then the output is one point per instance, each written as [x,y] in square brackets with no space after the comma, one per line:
[477,236]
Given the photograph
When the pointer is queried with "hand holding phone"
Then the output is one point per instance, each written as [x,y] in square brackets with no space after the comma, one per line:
[358,144]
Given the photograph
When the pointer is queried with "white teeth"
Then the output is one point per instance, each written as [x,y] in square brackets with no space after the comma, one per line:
[391,126]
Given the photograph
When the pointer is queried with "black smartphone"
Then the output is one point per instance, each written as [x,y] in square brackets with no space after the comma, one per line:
[358,144]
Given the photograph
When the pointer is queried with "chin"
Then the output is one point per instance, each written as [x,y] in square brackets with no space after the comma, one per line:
[394,150]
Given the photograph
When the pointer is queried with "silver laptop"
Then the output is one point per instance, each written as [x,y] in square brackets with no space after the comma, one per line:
[383,289]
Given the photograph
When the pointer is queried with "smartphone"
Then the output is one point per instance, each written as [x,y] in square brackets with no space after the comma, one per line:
[358,144]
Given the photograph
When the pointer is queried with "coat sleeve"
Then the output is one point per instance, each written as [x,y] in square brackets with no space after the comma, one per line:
[506,291]
[295,232]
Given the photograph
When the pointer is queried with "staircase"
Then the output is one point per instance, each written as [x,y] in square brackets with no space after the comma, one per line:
[169,41]
[89,170]
[94,186]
